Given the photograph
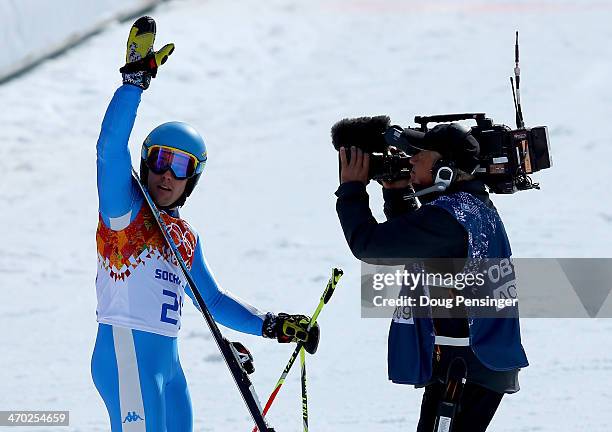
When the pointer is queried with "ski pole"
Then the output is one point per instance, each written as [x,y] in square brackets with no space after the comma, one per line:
[304,394]
[327,293]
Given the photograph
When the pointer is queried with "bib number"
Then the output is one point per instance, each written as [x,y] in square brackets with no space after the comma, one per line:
[403,315]
[174,307]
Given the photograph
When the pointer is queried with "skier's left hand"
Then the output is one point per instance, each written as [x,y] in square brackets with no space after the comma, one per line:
[287,328]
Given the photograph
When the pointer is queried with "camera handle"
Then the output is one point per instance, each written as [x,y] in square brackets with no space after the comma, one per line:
[444,118]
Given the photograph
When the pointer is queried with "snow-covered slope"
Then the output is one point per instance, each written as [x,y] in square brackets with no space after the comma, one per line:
[31,30]
[264,83]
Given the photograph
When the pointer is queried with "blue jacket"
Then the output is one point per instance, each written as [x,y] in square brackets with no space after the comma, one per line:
[456,225]
[494,339]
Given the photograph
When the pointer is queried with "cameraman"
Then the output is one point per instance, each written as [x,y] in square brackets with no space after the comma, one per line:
[460,222]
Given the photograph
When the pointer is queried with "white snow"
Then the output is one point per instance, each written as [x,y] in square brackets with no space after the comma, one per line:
[27,34]
[264,82]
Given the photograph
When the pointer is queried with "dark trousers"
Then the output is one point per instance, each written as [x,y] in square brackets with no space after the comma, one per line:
[476,408]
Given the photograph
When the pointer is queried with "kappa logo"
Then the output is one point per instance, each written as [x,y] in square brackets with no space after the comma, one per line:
[132,417]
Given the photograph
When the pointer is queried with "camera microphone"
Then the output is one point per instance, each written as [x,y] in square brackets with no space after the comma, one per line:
[366,133]
[388,146]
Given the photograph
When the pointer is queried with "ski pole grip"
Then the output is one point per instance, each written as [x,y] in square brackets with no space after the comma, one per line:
[336,275]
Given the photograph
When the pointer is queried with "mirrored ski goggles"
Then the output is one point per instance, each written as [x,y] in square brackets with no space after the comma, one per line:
[183,165]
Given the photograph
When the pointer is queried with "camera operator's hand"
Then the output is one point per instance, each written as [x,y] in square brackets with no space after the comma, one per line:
[357,168]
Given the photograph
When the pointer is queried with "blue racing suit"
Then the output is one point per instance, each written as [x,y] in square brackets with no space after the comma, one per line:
[140,290]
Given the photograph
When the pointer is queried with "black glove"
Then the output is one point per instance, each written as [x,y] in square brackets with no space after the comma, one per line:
[287,328]
[141,61]
[243,355]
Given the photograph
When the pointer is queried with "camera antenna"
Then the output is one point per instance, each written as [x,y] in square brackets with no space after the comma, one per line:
[520,124]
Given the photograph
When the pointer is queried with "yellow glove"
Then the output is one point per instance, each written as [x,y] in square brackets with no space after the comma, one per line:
[141,61]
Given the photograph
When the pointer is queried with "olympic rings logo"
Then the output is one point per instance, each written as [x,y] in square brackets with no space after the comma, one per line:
[182,238]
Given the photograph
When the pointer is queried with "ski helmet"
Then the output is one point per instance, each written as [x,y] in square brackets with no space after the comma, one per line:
[180,136]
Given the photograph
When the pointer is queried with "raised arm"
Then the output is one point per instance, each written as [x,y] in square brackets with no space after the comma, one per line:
[116,192]
[115,189]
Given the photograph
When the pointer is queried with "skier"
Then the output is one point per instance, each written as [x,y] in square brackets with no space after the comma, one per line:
[459,223]
[140,287]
